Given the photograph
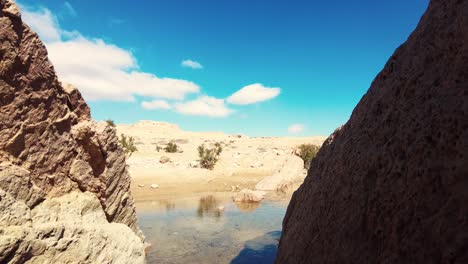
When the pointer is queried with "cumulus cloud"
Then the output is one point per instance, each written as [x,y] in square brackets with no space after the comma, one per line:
[105,71]
[191,64]
[156,104]
[253,93]
[204,106]
[99,69]
[295,128]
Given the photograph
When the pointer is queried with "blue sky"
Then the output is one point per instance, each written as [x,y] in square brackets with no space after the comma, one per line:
[255,67]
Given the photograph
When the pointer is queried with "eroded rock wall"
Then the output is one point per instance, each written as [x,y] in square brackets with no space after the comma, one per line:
[390,186]
[49,146]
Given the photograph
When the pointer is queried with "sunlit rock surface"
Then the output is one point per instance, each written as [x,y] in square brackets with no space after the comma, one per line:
[49,147]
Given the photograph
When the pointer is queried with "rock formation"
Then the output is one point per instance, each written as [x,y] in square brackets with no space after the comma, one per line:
[290,172]
[49,147]
[390,186]
[69,229]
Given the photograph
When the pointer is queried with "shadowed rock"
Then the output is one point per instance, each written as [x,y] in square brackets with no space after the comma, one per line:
[390,186]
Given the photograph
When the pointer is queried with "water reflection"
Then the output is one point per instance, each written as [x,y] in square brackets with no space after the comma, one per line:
[209,206]
[194,229]
[167,204]
[247,207]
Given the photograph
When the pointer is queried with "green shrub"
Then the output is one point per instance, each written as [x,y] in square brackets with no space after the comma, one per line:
[209,157]
[307,152]
[128,144]
[171,147]
[110,122]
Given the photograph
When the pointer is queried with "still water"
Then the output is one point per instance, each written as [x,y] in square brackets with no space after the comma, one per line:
[210,228]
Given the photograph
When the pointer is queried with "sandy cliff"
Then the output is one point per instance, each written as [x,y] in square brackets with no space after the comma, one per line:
[391,185]
[49,148]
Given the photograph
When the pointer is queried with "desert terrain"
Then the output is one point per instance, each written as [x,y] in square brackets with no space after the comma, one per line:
[243,163]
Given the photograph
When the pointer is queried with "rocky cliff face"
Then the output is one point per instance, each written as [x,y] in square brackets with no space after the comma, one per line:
[390,186]
[49,146]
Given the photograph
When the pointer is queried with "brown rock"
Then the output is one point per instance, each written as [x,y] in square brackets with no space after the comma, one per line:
[391,185]
[49,146]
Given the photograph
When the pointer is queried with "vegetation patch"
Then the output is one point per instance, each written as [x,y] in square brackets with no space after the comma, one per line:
[171,147]
[110,122]
[128,144]
[209,156]
[307,152]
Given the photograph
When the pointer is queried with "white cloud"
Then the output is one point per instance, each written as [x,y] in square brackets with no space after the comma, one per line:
[69,8]
[100,70]
[253,93]
[204,106]
[295,128]
[191,64]
[43,23]
[155,104]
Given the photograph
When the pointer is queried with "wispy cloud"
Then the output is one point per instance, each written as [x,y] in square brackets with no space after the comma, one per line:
[115,21]
[191,64]
[204,106]
[71,11]
[100,70]
[252,94]
[296,128]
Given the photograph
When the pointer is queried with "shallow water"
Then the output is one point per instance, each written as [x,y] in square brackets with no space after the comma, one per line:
[211,228]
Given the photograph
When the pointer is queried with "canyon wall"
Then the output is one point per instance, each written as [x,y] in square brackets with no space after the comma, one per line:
[391,185]
[51,149]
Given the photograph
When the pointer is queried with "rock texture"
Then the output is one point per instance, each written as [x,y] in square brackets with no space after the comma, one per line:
[49,146]
[391,185]
[290,172]
[69,229]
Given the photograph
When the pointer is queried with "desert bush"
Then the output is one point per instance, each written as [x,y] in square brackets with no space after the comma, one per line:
[307,152]
[128,144]
[158,148]
[209,157]
[218,148]
[171,147]
[110,122]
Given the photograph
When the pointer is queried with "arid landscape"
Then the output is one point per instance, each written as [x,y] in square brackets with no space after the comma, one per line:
[88,173]
[243,163]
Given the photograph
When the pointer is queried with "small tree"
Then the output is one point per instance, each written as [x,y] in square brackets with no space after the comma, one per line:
[209,157]
[128,144]
[171,147]
[110,122]
[307,152]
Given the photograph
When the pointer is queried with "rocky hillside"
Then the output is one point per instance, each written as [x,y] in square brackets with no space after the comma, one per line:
[51,149]
[390,186]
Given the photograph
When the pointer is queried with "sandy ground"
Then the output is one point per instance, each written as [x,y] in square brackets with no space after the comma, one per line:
[244,161]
